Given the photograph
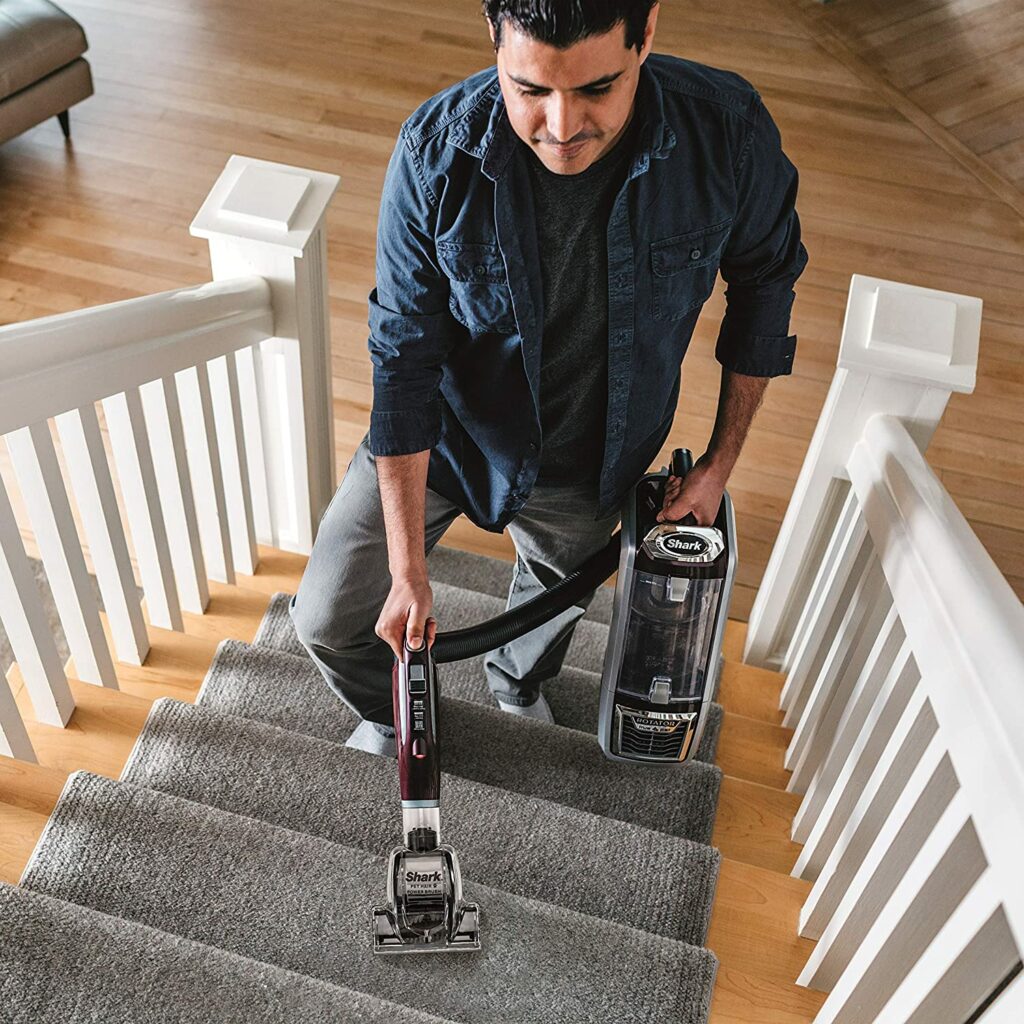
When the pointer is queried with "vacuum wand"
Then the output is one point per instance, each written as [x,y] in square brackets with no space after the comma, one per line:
[425,911]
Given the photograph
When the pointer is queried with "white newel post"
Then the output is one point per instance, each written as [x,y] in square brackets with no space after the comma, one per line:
[268,219]
[904,350]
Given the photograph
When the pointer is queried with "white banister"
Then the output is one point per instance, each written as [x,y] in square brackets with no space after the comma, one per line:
[217,408]
[58,363]
[904,349]
[966,627]
[268,218]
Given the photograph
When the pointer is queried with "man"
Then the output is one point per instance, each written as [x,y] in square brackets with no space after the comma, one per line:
[549,231]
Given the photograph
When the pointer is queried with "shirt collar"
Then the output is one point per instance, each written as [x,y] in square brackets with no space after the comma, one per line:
[485,131]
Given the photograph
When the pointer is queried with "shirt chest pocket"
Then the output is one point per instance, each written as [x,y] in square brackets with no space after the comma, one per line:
[684,268]
[480,297]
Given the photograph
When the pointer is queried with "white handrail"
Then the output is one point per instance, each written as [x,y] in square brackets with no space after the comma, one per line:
[60,362]
[217,402]
[966,627]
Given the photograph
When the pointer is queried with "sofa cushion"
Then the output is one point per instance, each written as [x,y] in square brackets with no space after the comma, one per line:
[36,38]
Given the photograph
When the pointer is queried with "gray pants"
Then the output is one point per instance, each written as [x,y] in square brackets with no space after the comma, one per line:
[347,581]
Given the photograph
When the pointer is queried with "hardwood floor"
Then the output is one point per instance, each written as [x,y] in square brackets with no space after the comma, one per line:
[887,188]
[959,62]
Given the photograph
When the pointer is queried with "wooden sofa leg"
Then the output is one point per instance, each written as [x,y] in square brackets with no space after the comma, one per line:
[65,123]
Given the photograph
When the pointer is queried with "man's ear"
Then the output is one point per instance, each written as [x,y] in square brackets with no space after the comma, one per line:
[648,43]
[490,28]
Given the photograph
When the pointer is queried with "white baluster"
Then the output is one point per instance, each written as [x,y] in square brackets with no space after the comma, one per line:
[14,738]
[42,487]
[24,618]
[810,641]
[916,812]
[967,959]
[863,698]
[813,739]
[254,402]
[170,464]
[204,465]
[234,463]
[901,757]
[809,663]
[87,467]
[946,866]
[854,635]
[129,441]
[268,219]
[848,770]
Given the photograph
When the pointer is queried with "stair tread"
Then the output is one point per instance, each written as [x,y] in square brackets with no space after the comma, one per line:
[521,844]
[99,734]
[302,902]
[488,745]
[57,970]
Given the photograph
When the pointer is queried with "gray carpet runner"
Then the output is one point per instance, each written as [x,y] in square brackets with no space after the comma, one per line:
[301,903]
[228,875]
[574,696]
[296,781]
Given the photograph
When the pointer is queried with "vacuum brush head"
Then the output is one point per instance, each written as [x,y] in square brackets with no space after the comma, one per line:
[425,912]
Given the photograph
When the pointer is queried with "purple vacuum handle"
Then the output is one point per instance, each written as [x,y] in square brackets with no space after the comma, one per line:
[414,689]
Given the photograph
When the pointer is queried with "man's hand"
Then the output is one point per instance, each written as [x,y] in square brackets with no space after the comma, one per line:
[699,492]
[406,612]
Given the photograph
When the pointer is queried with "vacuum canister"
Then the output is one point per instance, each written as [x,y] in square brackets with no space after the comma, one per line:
[664,652]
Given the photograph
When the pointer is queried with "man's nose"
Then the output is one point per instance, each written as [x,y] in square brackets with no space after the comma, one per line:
[563,121]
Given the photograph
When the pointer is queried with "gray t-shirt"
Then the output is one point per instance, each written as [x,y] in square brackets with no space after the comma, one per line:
[572,213]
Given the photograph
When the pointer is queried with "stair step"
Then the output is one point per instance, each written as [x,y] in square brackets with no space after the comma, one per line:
[67,964]
[573,696]
[536,848]
[302,903]
[481,743]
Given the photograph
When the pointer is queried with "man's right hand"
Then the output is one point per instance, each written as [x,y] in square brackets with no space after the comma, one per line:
[407,612]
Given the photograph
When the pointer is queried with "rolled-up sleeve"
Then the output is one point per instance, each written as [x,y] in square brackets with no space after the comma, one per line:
[763,257]
[411,327]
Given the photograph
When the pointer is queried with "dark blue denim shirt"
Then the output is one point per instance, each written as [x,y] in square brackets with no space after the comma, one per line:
[456,316]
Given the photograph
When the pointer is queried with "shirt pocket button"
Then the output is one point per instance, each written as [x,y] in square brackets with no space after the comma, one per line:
[695,254]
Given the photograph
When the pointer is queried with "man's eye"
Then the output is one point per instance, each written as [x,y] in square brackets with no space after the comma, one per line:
[597,91]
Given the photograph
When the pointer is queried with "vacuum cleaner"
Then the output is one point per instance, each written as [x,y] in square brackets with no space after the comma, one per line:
[425,911]
[660,675]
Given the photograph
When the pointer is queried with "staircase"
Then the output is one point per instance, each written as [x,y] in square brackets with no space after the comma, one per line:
[184,836]
[208,813]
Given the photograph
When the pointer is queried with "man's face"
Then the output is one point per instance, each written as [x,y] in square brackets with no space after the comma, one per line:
[570,106]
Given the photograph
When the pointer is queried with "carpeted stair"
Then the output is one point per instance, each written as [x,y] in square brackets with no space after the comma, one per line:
[229,874]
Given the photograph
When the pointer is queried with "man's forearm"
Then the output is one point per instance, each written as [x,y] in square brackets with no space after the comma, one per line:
[738,399]
[403,493]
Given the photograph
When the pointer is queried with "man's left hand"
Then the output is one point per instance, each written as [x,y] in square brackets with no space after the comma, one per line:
[699,492]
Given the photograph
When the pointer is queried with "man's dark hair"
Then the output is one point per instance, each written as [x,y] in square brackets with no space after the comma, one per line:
[564,22]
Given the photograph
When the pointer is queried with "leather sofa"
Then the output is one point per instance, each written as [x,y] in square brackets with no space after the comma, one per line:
[42,71]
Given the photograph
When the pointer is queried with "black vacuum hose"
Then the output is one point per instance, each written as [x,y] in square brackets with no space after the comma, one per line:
[458,644]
